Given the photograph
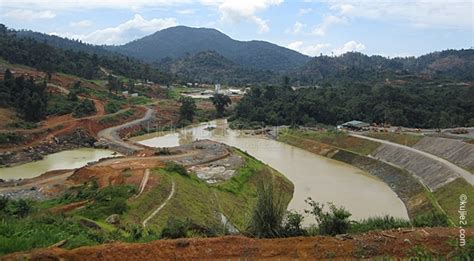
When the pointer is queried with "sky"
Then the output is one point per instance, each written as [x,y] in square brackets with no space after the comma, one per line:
[313,27]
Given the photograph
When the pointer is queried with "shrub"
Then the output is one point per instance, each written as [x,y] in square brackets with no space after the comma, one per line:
[18,208]
[23,125]
[136,232]
[3,202]
[84,108]
[292,225]
[61,105]
[177,168]
[268,214]
[112,107]
[175,228]
[431,220]
[333,222]
[10,138]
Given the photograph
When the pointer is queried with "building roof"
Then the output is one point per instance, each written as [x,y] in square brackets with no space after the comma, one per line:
[355,123]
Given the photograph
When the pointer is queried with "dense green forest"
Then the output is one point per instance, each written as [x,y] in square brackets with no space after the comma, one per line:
[353,66]
[180,41]
[45,57]
[27,97]
[211,67]
[413,106]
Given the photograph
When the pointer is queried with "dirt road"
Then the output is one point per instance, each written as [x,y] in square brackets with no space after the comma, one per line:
[460,171]
[111,134]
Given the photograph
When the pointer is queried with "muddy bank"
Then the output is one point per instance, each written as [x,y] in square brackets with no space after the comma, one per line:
[79,138]
[407,188]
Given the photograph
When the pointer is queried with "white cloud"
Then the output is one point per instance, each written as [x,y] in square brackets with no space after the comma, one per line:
[94,4]
[246,10]
[297,27]
[328,21]
[311,50]
[304,11]
[122,33]
[81,24]
[342,8]
[25,14]
[186,11]
[351,46]
[427,13]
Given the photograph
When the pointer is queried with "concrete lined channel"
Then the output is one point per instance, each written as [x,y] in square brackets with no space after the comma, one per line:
[323,179]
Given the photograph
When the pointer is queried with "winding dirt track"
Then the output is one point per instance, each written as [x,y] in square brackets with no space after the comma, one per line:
[460,171]
[111,134]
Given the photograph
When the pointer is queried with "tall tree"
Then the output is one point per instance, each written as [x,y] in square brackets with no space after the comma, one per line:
[188,108]
[221,101]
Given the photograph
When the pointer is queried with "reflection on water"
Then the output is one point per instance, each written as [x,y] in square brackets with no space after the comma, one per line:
[323,179]
[69,159]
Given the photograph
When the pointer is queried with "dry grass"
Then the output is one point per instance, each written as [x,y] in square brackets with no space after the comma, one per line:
[400,138]
[7,116]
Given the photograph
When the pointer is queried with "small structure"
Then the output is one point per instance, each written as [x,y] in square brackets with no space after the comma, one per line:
[355,125]
[217,88]
[134,95]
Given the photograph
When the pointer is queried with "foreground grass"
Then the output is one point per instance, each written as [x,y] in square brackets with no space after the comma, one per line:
[448,197]
[400,138]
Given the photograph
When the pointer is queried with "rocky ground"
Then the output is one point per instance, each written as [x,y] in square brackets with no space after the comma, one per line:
[421,244]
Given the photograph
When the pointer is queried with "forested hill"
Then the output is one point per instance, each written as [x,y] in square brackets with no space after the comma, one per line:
[449,64]
[44,57]
[177,42]
[64,43]
[211,67]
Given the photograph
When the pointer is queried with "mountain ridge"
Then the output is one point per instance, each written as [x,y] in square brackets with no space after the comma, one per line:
[177,42]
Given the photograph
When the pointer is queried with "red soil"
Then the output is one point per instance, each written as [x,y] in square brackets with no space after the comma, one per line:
[392,243]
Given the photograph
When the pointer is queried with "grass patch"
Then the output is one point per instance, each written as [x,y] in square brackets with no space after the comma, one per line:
[140,100]
[378,223]
[117,118]
[400,138]
[335,138]
[193,199]
[448,198]
[144,205]
[242,176]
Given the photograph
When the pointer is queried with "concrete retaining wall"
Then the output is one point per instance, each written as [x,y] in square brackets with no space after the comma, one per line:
[456,151]
[407,188]
[429,171]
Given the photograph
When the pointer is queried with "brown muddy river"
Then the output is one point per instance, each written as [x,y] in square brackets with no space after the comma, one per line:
[323,179]
[69,159]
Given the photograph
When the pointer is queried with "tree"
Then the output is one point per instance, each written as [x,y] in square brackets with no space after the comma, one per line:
[188,108]
[220,101]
